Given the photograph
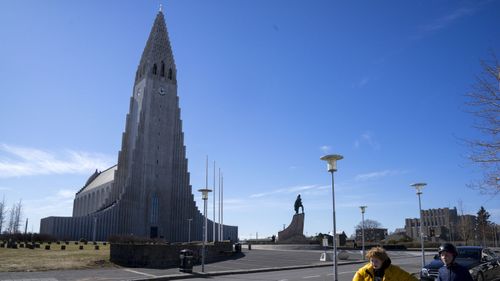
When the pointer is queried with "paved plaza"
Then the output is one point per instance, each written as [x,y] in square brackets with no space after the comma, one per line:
[249,262]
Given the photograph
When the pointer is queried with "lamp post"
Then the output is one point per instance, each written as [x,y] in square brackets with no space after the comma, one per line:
[332,167]
[363,208]
[418,187]
[189,230]
[204,196]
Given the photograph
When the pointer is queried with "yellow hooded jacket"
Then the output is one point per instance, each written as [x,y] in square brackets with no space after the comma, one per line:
[392,273]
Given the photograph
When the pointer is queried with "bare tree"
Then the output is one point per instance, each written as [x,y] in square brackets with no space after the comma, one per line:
[15,215]
[465,224]
[10,227]
[18,216]
[3,212]
[484,104]
[369,224]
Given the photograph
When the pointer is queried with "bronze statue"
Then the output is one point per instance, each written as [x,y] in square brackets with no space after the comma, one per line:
[298,204]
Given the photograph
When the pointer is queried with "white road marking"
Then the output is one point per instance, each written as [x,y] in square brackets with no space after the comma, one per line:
[312,276]
[345,272]
[138,272]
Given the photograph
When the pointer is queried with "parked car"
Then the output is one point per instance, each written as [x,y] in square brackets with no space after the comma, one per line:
[483,264]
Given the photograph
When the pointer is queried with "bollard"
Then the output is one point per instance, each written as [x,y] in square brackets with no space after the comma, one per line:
[81,247]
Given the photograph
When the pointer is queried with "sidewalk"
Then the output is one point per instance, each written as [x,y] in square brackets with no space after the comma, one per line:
[247,262]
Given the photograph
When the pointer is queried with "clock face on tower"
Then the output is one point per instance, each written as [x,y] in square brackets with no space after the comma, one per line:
[161,91]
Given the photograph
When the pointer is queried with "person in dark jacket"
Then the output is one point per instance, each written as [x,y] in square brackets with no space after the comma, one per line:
[451,271]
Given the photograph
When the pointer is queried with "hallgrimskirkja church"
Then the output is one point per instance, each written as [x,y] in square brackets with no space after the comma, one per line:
[147,193]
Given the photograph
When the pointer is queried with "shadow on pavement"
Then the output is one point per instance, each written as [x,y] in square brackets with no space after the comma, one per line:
[234,256]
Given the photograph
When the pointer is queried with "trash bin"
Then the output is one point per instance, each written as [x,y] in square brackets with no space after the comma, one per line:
[186,261]
[237,247]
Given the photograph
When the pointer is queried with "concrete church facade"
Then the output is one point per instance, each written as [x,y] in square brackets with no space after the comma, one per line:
[148,192]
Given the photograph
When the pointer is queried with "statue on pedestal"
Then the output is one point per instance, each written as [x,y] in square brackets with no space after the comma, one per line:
[298,204]
[293,234]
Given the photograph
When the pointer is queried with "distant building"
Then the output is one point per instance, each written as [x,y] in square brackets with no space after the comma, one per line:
[412,228]
[341,238]
[371,235]
[399,230]
[438,224]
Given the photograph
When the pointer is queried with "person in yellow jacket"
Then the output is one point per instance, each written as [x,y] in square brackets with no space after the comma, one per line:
[381,269]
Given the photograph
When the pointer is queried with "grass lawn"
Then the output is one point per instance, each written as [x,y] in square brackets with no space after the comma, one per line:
[39,259]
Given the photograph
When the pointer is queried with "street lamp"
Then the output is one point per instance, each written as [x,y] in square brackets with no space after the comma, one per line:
[189,230]
[418,187]
[332,167]
[204,196]
[363,208]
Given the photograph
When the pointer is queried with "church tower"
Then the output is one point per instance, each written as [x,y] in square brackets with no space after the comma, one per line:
[152,165]
[147,193]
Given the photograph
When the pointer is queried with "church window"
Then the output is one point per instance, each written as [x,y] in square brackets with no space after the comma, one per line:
[154,69]
[162,73]
[170,73]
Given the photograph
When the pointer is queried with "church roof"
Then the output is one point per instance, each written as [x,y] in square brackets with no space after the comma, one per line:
[103,177]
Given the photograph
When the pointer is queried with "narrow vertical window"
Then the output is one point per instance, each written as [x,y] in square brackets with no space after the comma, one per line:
[153,217]
[170,73]
[162,73]
[154,69]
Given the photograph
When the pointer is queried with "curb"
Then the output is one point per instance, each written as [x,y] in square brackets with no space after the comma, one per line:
[239,271]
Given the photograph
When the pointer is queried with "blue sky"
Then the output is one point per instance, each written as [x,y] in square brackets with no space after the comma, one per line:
[266,88]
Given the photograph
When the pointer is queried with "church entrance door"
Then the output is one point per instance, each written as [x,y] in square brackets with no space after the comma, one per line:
[153,233]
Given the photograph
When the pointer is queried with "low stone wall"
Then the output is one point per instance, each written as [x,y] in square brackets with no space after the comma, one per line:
[165,256]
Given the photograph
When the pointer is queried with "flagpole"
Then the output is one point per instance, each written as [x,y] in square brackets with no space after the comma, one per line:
[214,222]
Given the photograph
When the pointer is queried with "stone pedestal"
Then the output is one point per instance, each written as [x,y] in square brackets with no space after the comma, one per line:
[294,232]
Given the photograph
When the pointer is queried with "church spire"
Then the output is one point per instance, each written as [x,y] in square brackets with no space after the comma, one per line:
[157,58]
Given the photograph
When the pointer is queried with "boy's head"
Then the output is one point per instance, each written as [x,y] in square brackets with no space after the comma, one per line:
[377,257]
[447,252]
